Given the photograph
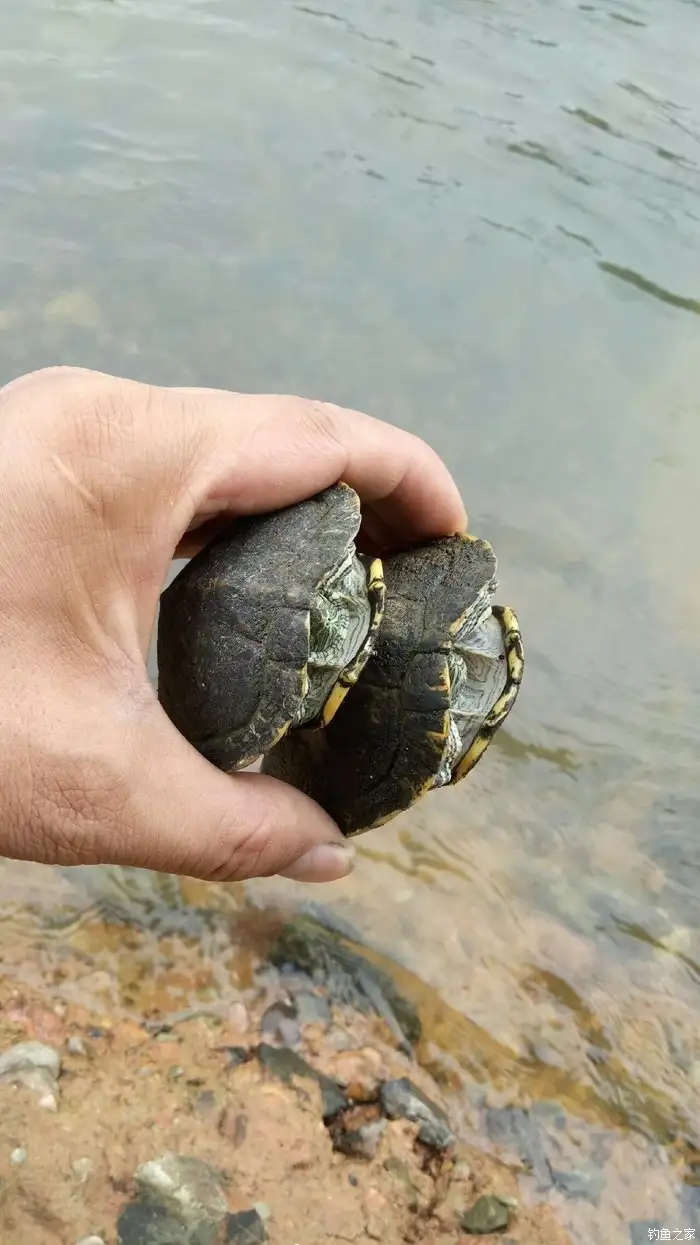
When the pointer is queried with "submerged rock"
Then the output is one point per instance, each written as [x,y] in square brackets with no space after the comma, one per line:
[517,1130]
[644,1230]
[312,1008]
[586,1183]
[350,979]
[187,1188]
[488,1214]
[401,1099]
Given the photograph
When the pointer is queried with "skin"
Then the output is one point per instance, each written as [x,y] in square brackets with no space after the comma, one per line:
[103,480]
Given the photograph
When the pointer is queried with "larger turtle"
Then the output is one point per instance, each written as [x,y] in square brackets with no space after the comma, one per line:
[444,676]
[268,627]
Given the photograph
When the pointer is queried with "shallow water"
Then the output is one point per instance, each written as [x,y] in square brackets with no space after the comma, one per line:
[482,222]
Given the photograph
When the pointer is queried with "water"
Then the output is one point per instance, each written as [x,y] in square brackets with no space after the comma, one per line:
[480,221]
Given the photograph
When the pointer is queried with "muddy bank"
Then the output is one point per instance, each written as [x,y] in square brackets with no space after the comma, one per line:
[284,1115]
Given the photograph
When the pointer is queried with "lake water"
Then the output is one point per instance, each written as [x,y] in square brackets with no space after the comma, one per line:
[482,222]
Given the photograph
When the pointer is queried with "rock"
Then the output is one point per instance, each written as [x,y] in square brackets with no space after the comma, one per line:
[488,1214]
[517,1130]
[187,1188]
[359,1143]
[18,1156]
[333,1100]
[76,1046]
[401,1099]
[263,1210]
[312,1008]
[352,980]
[285,1064]
[142,1224]
[246,1228]
[91,1240]
[29,1057]
[35,1065]
[586,1183]
[279,1023]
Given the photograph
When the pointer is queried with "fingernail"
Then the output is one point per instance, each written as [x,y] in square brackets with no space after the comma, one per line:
[326,862]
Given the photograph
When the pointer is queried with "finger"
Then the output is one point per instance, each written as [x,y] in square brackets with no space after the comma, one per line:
[292,447]
[185,816]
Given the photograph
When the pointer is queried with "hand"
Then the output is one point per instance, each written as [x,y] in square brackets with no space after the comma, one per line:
[102,480]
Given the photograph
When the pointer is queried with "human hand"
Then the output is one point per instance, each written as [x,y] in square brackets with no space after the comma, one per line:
[102,482]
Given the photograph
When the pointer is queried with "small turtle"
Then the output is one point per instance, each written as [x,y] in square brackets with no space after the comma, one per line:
[444,676]
[268,627]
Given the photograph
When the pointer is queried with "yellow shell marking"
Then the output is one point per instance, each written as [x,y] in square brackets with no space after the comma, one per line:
[376,593]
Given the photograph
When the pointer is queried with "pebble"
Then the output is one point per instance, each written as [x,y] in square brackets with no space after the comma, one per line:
[401,1099]
[35,1065]
[312,1008]
[141,1224]
[29,1055]
[488,1214]
[18,1156]
[285,1064]
[279,1023]
[246,1228]
[185,1187]
[82,1168]
[76,1046]
[91,1240]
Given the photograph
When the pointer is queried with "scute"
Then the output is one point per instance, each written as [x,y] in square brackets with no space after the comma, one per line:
[233,634]
[387,743]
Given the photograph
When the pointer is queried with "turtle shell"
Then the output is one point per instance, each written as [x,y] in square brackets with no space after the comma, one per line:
[393,739]
[235,626]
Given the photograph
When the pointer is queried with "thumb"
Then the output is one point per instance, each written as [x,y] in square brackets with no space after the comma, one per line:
[118,784]
[187,817]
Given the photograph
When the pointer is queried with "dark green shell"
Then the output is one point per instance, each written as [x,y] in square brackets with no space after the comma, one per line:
[233,633]
[384,746]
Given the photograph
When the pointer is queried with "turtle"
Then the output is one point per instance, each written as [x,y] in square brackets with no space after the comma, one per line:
[442,679]
[268,627]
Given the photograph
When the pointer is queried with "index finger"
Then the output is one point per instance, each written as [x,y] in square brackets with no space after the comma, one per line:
[270,451]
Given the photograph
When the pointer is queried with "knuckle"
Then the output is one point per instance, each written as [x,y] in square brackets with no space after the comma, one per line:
[325,424]
[251,854]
